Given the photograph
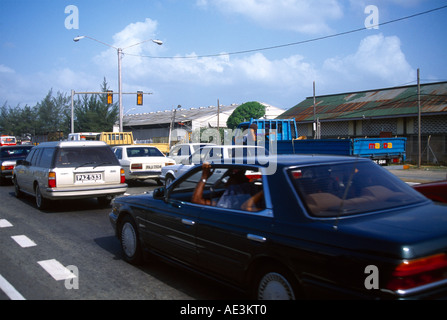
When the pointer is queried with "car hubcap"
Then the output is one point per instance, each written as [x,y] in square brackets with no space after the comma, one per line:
[274,286]
[128,239]
[38,197]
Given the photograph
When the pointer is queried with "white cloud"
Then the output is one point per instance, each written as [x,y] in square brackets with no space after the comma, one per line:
[378,59]
[5,69]
[310,17]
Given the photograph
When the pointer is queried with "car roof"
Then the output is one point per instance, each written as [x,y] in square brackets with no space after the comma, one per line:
[135,145]
[76,143]
[298,159]
[17,146]
[230,146]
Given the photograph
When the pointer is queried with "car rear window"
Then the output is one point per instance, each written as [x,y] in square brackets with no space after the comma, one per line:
[341,189]
[143,152]
[11,153]
[85,156]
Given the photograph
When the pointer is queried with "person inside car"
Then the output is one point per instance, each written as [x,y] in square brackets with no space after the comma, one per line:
[238,194]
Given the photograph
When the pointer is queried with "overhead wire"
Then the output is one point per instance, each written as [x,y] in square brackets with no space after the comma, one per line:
[294,43]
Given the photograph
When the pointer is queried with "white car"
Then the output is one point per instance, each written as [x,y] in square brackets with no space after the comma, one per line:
[69,170]
[141,162]
[213,153]
[183,151]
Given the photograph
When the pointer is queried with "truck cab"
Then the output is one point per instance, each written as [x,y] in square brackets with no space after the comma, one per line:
[271,129]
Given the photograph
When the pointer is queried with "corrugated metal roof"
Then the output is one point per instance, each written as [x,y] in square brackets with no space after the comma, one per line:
[163,117]
[381,103]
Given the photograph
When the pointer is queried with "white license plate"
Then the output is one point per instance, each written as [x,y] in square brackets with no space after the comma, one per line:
[88,177]
[153,166]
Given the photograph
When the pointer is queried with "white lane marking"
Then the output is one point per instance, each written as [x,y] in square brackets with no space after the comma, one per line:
[56,269]
[9,290]
[24,241]
[5,223]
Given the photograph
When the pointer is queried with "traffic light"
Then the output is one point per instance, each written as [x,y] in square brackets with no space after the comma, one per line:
[109,97]
[139,98]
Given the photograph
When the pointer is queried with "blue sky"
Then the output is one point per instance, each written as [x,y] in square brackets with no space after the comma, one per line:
[37,51]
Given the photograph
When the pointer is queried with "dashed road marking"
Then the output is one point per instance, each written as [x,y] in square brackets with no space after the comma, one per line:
[56,269]
[24,241]
[5,223]
[9,290]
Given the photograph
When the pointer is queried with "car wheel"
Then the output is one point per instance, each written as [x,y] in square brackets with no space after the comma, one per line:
[169,180]
[41,202]
[130,242]
[17,190]
[275,284]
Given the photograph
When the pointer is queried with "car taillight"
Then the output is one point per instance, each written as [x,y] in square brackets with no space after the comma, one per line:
[414,273]
[52,180]
[8,167]
[136,166]
[123,176]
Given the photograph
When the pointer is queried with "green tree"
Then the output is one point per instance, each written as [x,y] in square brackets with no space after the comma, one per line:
[94,114]
[51,113]
[244,112]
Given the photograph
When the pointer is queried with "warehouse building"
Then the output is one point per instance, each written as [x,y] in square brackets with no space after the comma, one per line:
[177,124]
[380,113]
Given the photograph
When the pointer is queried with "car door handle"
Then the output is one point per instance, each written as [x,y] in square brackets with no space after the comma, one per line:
[188,222]
[256,238]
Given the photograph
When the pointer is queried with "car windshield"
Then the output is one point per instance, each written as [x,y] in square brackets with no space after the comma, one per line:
[334,190]
[12,153]
[143,152]
[85,156]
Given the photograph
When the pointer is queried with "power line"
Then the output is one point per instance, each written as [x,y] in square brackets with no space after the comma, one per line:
[298,42]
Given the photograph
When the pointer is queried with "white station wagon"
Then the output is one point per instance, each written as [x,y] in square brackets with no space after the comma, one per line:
[70,170]
[141,162]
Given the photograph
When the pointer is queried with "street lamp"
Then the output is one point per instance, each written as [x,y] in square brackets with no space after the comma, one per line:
[119,52]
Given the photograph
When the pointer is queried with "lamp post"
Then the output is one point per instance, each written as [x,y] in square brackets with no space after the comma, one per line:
[119,52]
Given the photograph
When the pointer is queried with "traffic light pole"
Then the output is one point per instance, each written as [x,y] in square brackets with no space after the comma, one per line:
[73,93]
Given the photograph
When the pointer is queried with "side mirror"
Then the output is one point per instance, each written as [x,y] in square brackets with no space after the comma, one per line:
[159,193]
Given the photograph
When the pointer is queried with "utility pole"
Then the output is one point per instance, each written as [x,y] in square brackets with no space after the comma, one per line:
[419,121]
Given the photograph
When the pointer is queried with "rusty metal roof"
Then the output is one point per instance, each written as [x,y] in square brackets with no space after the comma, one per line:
[381,103]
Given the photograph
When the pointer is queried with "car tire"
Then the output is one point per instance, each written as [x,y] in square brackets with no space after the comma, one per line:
[169,179]
[274,283]
[130,242]
[18,193]
[41,202]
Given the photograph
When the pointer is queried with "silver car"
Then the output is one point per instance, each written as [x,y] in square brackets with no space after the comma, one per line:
[69,170]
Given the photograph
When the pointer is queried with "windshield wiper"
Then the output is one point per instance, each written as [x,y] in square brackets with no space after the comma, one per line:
[102,163]
[84,164]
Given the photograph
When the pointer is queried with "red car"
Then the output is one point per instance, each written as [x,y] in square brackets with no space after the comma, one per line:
[436,191]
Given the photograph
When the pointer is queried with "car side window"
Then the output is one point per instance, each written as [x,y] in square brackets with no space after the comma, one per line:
[227,188]
[118,153]
[36,157]
[30,155]
[46,159]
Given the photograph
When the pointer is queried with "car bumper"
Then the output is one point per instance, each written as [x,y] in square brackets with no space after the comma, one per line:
[140,175]
[79,193]
[6,174]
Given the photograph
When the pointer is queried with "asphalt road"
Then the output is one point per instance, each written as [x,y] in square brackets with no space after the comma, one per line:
[75,238]
[70,252]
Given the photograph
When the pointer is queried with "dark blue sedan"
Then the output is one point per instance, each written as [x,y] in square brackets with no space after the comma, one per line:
[8,158]
[314,227]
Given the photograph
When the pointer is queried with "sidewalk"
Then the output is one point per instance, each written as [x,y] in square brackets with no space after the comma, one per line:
[419,175]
